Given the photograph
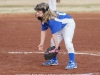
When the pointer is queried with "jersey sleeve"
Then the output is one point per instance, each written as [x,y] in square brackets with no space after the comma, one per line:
[44,26]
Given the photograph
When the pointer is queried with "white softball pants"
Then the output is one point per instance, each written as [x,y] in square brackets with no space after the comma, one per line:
[67,34]
[52,5]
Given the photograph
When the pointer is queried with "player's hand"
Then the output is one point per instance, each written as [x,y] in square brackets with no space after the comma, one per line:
[40,46]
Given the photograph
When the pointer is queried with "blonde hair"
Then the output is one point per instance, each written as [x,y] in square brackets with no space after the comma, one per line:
[48,14]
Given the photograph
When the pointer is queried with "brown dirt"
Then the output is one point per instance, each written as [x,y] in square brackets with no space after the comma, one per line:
[21,33]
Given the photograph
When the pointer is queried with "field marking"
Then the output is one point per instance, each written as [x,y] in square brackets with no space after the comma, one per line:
[63,74]
[79,53]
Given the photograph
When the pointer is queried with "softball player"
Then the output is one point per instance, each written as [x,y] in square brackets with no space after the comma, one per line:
[62,27]
[52,4]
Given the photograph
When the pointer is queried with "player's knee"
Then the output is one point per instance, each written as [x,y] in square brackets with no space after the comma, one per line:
[68,44]
[69,47]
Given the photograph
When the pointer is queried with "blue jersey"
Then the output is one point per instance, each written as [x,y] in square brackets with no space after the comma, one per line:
[58,23]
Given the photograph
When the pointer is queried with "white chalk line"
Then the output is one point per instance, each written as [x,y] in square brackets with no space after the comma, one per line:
[79,53]
[64,74]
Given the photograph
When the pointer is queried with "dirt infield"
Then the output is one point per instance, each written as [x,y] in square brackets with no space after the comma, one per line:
[19,54]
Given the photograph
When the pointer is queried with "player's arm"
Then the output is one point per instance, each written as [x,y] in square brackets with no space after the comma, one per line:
[55,40]
[42,39]
[43,33]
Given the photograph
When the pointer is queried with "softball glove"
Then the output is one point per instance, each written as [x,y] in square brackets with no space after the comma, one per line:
[51,52]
